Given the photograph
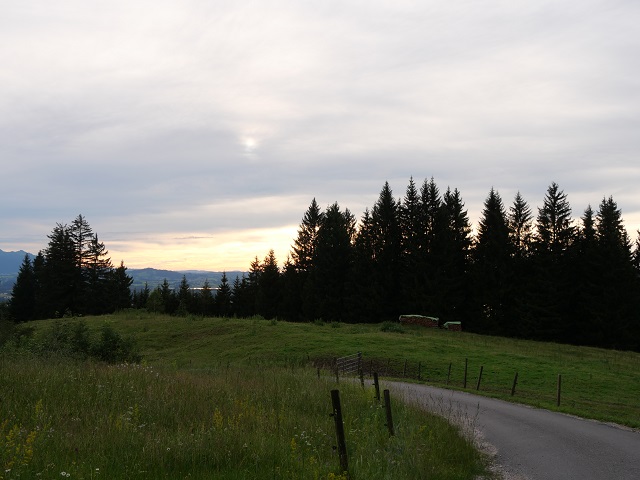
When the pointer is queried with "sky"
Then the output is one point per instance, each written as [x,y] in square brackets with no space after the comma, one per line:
[194,134]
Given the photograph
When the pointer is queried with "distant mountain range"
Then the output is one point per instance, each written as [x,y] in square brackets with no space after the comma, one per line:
[10,261]
[196,278]
[10,265]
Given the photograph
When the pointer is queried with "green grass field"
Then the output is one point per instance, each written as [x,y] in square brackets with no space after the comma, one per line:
[596,383]
[228,398]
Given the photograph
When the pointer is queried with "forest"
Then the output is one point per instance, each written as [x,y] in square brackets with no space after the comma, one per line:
[72,276]
[537,275]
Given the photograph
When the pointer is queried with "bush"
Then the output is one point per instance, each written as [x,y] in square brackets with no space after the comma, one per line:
[113,348]
[391,327]
[73,340]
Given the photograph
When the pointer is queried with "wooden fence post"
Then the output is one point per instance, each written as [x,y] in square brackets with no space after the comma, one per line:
[559,389]
[479,377]
[419,371]
[466,364]
[449,374]
[377,385]
[387,407]
[361,378]
[337,417]
[515,382]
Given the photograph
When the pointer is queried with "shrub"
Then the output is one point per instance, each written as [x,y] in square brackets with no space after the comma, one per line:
[73,340]
[112,347]
[391,327]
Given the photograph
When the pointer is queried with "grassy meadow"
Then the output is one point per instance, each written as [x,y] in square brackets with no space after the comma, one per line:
[238,399]
[596,383]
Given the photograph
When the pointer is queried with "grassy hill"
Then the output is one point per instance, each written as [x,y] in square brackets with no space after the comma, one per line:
[596,383]
[239,398]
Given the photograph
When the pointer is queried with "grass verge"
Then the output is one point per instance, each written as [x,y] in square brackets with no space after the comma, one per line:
[86,420]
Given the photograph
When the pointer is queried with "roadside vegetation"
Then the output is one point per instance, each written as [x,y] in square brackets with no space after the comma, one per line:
[144,395]
[236,416]
[597,383]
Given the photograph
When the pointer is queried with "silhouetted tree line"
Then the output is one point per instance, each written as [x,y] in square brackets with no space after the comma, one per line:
[71,276]
[541,276]
[205,301]
[532,275]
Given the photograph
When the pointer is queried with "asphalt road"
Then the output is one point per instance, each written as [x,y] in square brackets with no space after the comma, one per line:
[534,444]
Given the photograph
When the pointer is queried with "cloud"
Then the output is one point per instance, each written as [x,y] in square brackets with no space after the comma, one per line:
[175,119]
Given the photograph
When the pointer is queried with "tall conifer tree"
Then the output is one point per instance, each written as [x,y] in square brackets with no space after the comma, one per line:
[493,267]
[333,263]
[22,306]
[451,257]
[269,287]
[411,278]
[387,248]
[555,234]
[618,307]
[223,297]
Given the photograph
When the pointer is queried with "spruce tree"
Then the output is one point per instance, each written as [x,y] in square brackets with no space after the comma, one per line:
[521,321]
[269,288]
[635,260]
[120,289]
[304,246]
[583,287]
[223,297]
[387,248]
[333,263]
[493,268]
[555,234]
[412,250]
[168,298]
[618,304]
[96,274]
[451,256]
[291,298]
[555,231]
[410,215]
[431,211]
[364,296]
[239,297]
[520,225]
[143,296]
[185,297]
[206,305]
[251,288]
[23,294]
[59,276]
[428,261]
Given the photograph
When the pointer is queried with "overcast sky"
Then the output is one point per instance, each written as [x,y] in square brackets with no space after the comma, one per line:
[193,134]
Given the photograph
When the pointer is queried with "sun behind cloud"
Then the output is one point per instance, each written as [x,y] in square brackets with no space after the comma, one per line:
[249,144]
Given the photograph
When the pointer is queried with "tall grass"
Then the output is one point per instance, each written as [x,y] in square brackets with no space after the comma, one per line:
[64,419]
[596,383]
